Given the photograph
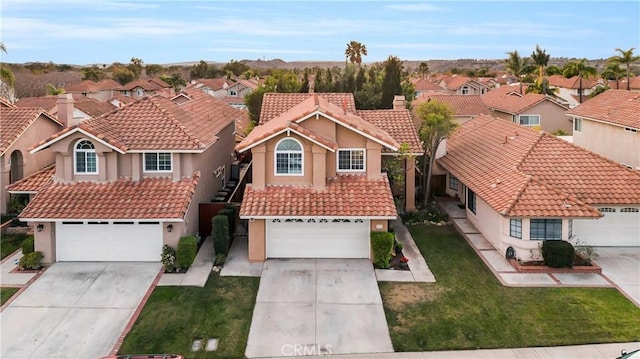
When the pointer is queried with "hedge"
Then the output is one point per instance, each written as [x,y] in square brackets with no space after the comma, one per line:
[31,260]
[558,254]
[28,245]
[230,212]
[220,234]
[382,245]
[186,252]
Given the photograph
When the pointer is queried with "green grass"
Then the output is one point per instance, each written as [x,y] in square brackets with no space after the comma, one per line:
[11,242]
[468,308]
[6,293]
[174,316]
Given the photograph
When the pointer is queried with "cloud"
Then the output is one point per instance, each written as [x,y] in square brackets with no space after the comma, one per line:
[422,7]
[261,51]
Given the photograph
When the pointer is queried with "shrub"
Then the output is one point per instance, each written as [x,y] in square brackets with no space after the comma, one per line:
[27,245]
[558,254]
[230,212]
[32,260]
[186,252]
[220,258]
[382,245]
[220,234]
[168,258]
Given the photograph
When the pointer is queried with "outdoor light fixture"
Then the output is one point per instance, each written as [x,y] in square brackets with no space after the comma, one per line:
[169,227]
[40,227]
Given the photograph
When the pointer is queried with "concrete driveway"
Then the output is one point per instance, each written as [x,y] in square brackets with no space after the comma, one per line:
[622,266]
[318,306]
[75,310]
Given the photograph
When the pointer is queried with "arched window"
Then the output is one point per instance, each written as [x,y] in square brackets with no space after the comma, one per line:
[86,161]
[288,159]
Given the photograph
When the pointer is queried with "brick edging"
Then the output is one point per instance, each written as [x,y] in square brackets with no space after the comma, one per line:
[22,289]
[9,256]
[594,268]
[136,314]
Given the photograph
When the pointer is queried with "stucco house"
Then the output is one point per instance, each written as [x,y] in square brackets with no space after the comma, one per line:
[318,188]
[532,110]
[568,89]
[102,90]
[609,124]
[83,107]
[213,87]
[142,88]
[21,128]
[521,186]
[423,86]
[128,182]
[465,107]
[463,85]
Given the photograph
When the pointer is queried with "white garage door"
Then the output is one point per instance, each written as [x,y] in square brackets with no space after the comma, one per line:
[318,238]
[620,227]
[115,241]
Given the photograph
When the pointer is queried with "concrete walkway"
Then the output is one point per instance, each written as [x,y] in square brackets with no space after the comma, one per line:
[199,271]
[237,263]
[9,274]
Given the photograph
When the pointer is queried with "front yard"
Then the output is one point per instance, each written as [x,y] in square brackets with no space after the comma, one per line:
[174,316]
[10,243]
[468,308]
[6,293]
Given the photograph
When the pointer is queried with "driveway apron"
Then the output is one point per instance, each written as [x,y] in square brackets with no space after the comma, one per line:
[318,306]
[75,310]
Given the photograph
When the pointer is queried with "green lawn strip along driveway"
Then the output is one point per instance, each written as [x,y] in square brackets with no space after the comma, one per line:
[6,293]
[467,308]
[174,316]
[10,243]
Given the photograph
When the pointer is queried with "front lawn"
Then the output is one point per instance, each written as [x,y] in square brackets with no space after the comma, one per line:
[468,308]
[174,316]
[10,243]
[6,293]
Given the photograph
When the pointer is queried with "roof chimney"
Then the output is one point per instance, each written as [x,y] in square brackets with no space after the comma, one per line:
[399,102]
[65,109]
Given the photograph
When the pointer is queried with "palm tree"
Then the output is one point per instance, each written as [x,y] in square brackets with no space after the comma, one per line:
[582,70]
[53,91]
[625,58]
[517,66]
[613,71]
[542,88]
[354,52]
[423,69]
[540,59]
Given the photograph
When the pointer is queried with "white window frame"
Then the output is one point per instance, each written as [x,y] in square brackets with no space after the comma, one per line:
[85,151]
[529,116]
[364,159]
[630,130]
[577,125]
[157,170]
[464,90]
[275,158]
[515,226]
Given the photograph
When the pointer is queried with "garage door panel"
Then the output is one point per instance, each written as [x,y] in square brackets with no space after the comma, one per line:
[616,229]
[318,239]
[108,242]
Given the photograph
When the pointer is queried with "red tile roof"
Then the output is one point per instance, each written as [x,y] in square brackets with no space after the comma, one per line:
[150,198]
[345,196]
[90,106]
[47,103]
[508,99]
[398,124]
[455,82]
[618,107]
[144,84]
[15,120]
[242,123]
[570,83]
[34,182]
[520,172]
[214,84]
[422,84]
[462,105]
[273,104]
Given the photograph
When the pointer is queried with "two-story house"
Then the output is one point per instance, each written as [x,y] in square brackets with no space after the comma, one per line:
[521,187]
[318,188]
[142,88]
[216,87]
[463,85]
[609,124]
[532,110]
[423,86]
[102,90]
[574,90]
[128,182]
[238,90]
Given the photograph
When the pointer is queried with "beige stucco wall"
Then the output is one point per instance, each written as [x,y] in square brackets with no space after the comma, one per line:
[45,241]
[257,240]
[610,141]
[552,117]
[379,225]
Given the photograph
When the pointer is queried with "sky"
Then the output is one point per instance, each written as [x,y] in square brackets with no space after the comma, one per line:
[83,32]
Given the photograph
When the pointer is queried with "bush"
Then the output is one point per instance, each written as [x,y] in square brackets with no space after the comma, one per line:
[220,258]
[230,212]
[558,254]
[168,258]
[186,252]
[27,245]
[382,245]
[220,234]
[32,260]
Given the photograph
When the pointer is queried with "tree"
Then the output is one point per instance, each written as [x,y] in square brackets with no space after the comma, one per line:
[175,80]
[354,52]
[625,58]
[53,91]
[93,73]
[582,70]
[613,71]
[423,69]
[392,81]
[235,67]
[8,79]
[554,70]
[135,66]
[517,66]
[123,75]
[304,88]
[436,124]
[540,59]
[542,88]
[153,69]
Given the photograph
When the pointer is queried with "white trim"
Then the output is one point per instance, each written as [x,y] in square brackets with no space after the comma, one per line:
[281,132]
[136,220]
[526,114]
[275,158]
[575,122]
[23,192]
[144,163]
[75,130]
[317,217]
[169,151]
[364,159]
[75,159]
[573,117]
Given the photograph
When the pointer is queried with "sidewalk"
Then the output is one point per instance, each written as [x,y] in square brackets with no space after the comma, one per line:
[9,277]
[197,274]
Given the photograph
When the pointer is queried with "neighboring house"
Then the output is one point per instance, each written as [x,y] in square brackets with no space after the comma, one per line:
[521,187]
[423,85]
[463,85]
[568,89]
[465,107]
[21,128]
[213,87]
[84,107]
[102,90]
[47,103]
[237,91]
[529,109]
[318,188]
[243,126]
[143,88]
[609,124]
[128,182]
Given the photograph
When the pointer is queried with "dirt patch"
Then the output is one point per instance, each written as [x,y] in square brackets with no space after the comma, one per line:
[399,296]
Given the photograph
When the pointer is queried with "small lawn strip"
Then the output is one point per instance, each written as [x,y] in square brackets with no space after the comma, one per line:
[10,243]
[6,293]
[467,308]
[174,316]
